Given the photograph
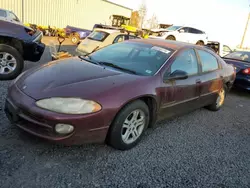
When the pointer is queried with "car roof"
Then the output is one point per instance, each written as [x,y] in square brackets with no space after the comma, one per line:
[175,45]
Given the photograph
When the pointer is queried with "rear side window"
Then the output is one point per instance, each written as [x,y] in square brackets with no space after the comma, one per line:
[208,61]
[98,35]
[3,13]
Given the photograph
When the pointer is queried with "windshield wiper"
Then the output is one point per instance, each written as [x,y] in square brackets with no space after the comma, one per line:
[88,59]
[117,67]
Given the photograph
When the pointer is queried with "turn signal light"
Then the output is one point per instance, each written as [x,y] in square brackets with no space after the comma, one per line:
[246,71]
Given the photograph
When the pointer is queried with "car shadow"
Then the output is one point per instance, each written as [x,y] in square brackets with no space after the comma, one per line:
[240,92]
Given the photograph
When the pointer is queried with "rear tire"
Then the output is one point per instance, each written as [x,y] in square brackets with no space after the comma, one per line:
[11,62]
[75,38]
[218,103]
[129,126]
[170,38]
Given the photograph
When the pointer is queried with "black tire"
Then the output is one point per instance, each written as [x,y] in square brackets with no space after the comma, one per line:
[170,37]
[115,132]
[200,43]
[75,38]
[19,62]
[214,106]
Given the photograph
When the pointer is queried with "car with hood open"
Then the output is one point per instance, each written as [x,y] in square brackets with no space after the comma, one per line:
[17,44]
[114,94]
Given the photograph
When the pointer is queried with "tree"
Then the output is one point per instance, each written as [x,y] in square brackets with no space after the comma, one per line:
[152,23]
[135,19]
[142,13]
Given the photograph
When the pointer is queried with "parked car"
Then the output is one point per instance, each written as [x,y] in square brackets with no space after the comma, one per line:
[241,62]
[184,34]
[219,48]
[17,43]
[76,34]
[100,38]
[117,92]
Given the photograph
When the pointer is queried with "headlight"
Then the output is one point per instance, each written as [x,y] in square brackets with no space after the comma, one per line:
[69,105]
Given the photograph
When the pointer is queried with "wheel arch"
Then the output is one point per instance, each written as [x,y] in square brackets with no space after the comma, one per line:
[171,35]
[14,42]
[149,100]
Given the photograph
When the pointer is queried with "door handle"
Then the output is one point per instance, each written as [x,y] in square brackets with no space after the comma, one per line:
[198,81]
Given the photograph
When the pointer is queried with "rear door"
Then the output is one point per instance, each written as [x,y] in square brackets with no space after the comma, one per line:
[211,77]
[181,95]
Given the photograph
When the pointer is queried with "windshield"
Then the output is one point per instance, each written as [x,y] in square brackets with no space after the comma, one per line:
[98,35]
[173,28]
[241,55]
[143,59]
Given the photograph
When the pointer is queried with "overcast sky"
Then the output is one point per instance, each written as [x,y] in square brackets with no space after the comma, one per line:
[223,20]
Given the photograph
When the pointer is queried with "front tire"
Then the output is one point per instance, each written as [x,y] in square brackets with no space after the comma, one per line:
[11,62]
[218,103]
[129,125]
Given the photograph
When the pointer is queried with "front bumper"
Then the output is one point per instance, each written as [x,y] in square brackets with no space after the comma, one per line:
[21,111]
[33,50]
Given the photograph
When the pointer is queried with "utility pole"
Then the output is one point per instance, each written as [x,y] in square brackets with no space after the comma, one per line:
[245,31]
[243,38]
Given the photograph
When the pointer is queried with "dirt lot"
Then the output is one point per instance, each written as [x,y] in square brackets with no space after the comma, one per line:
[200,149]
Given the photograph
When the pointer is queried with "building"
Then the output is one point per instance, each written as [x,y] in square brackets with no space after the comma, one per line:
[60,13]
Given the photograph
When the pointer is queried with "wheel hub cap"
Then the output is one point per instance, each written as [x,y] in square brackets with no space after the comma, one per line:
[7,63]
[133,126]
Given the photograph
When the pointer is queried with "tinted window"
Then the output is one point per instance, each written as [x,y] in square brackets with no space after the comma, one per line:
[208,61]
[98,35]
[186,29]
[133,37]
[119,38]
[186,61]
[3,13]
[195,31]
[144,59]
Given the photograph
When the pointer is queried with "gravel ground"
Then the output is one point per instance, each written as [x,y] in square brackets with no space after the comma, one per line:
[200,149]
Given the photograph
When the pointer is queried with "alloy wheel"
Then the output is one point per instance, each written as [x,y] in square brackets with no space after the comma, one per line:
[7,63]
[133,126]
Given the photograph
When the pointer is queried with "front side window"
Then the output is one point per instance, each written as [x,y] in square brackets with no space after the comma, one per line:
[3,13]
[98,35]
[208,61]
[226,48]
[120,38]
[144,59]
[14,17]
[173,28]
[185,61]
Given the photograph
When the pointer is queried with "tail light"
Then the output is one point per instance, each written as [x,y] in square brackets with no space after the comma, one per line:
[246,71]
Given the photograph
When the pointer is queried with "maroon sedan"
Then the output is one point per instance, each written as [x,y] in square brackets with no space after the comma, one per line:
[117,92]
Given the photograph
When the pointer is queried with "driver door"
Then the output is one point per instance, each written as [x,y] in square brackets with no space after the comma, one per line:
[181,95]
[184,34]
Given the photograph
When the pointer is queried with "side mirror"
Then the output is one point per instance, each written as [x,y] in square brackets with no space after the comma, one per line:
[178,75]
[181,30]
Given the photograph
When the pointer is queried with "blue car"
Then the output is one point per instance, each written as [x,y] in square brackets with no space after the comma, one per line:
[241,61]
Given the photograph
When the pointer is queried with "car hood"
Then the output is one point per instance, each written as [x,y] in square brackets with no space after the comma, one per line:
[71,77]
